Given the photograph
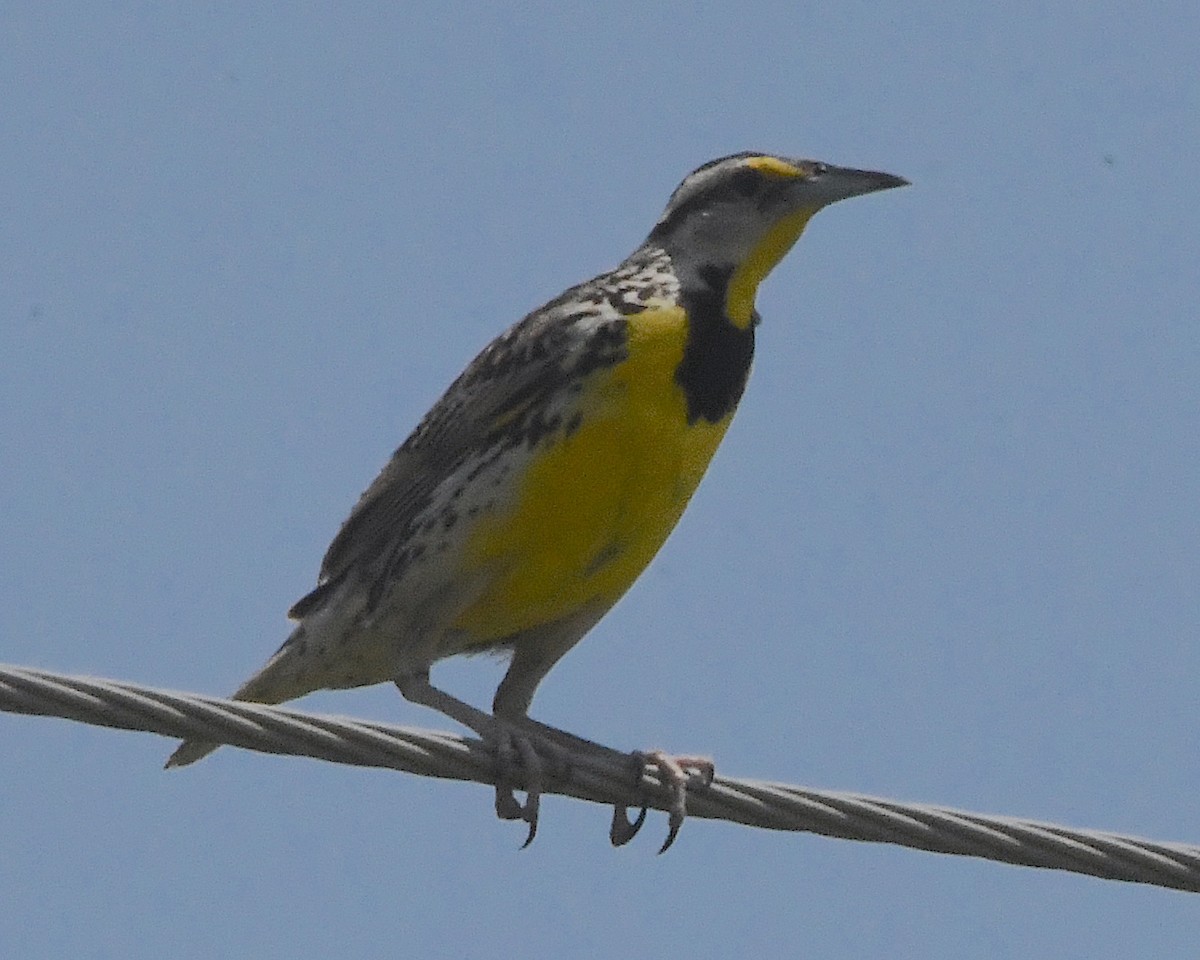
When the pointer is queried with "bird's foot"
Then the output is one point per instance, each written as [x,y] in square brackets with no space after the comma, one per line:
[676,774]
[524,762]
[525,757]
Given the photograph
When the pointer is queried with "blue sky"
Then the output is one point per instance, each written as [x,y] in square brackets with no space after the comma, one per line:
[949,551]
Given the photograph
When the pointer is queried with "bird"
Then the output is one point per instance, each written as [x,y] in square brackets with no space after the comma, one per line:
[533,494]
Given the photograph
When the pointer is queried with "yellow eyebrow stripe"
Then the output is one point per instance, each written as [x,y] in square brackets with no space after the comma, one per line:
[774,165]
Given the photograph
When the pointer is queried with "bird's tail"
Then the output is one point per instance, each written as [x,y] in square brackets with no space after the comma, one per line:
[189,752]
[278,681]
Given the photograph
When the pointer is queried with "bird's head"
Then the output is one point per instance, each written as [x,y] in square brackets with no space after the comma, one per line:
[736,217]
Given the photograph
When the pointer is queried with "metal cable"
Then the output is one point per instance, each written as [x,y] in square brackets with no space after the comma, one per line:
[601,775]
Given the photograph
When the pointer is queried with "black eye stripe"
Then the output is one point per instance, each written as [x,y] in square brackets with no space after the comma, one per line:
[739,184]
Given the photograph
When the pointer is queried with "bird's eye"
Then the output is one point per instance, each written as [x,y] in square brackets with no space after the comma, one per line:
[819,169]
[745,182]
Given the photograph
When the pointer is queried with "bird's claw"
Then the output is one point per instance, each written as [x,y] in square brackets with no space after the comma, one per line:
[675,774]
[524,761]
[520,763]
[623,829]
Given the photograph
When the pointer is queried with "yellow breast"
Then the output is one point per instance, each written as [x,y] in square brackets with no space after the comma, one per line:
[593,507]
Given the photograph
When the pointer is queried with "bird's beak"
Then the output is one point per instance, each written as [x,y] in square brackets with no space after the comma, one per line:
[840,183]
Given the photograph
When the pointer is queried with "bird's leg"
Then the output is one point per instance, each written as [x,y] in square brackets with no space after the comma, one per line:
[514,748]
[676,774]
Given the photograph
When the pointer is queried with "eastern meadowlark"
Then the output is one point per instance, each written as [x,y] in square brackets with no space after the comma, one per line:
[541,484]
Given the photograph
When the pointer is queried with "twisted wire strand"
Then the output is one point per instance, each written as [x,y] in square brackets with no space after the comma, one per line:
[601,775]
